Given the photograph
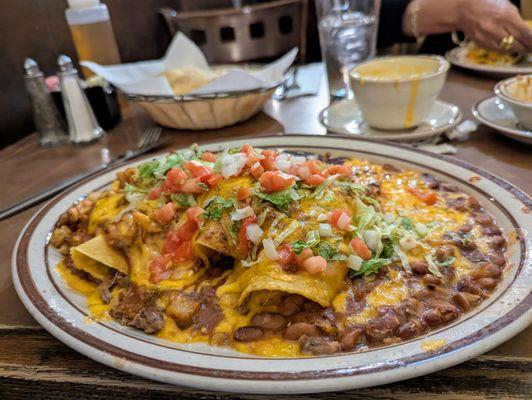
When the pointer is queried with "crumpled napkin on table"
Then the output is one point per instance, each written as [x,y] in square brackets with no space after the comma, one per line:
[459,133]
[308,79]
[144,77]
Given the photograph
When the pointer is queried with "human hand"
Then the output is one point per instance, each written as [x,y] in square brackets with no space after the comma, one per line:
[487,22]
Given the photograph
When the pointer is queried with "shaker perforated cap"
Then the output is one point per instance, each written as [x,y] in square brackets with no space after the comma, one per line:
[64,63]
[31,68]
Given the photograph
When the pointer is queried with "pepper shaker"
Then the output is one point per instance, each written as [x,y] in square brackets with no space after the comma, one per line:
[48,121]
[82,124]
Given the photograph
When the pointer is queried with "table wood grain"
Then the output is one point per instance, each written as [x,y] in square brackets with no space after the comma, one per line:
[34,364]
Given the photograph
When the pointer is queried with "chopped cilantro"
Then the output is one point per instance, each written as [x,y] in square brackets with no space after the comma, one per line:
[216,208]
[388,249]
[407,223]
[183,199]
[313,238]
[369,267]
[327,251]
[281,199]
[298,246]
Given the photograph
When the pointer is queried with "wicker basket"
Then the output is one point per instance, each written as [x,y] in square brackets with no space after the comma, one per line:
[210,111]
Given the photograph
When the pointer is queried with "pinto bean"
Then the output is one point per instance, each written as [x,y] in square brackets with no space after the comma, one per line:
[248,333]
[348,339]
[431,279]
[432,317]
[390,167]
[461,300]
[459,204]
[487,270]
[291,305]
[487,283]
[497,259]
[420,267]
[443,253]
[466,285]
[491,231]
[269,321]
[466,244]
[319,345]
[473,204]
[381,327]
[449,187]
[464,228]
[411,329]
[483,219]
[474,255]
[431,181]
[295,331]
[498,242]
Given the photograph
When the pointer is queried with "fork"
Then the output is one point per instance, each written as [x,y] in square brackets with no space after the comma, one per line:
[147,142]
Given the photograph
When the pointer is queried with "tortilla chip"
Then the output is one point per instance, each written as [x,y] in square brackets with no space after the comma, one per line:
[96,257]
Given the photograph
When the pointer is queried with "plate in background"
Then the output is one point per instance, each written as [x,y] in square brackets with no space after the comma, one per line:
[458,57]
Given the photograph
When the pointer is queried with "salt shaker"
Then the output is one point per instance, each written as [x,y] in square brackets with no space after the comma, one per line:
[82,124]
[48,121]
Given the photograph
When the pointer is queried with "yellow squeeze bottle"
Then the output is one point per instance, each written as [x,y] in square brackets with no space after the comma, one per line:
[92,33]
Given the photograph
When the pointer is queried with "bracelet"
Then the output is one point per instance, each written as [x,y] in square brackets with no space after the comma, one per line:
[456,40]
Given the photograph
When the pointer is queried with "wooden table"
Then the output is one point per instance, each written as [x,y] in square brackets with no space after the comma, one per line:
[33,363]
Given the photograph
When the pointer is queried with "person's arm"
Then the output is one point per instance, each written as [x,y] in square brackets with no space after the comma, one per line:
[486,22]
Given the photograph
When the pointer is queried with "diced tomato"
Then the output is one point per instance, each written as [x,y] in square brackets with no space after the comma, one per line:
[428,198]
[306,253]
[286,254]
[313,166]
[185,252]
[272,181]
[243,244]
[243,193]
[159,268]
[171,243]
[360,247]
[170,187]
[200,171]
[192,186]
[343,170]
[214,180]
[268,163]
[187,230]
[208,156]
[340,218]
[155,193]
[193,213]
[166,213]
[315,264]
[301,171]
[314,180]
[176,176]
[247,148]
[257,170]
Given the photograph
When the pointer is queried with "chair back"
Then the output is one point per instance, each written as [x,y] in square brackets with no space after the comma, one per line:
[250,33]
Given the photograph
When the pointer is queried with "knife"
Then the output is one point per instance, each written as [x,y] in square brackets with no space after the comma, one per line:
[53,190]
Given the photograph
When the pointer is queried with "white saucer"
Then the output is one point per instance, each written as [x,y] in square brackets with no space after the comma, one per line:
[345,117]
[497,115]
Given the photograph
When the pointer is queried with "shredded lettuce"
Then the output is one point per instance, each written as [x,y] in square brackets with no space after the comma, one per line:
[281,199]
[183,199]
[216,208]
[369,267]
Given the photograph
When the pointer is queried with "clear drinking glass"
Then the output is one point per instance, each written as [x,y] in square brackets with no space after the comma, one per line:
[348,36]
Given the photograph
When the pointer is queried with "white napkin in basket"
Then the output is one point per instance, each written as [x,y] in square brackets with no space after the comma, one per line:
[144,78]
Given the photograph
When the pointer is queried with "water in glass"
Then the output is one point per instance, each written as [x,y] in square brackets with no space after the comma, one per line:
[347,38]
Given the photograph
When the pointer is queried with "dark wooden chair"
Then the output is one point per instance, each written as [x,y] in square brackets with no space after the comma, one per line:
[249,33]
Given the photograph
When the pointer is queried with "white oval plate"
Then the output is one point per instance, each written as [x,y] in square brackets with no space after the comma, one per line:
[345,117]
[508,311]
[458,57]
[497,115]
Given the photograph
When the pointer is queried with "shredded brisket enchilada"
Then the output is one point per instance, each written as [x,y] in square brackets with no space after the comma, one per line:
[279,254]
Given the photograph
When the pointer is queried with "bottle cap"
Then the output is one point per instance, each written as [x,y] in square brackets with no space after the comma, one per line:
[82,3]
[31,68]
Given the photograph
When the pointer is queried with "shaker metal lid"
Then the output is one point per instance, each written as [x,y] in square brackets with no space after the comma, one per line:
[65,63]
[31,68]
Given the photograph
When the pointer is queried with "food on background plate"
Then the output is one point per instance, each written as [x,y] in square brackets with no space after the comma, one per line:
[279,254]
[478,55]
[521,88]
[186,79]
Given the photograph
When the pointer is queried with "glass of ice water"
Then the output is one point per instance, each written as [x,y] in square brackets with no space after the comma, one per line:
[348,36]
